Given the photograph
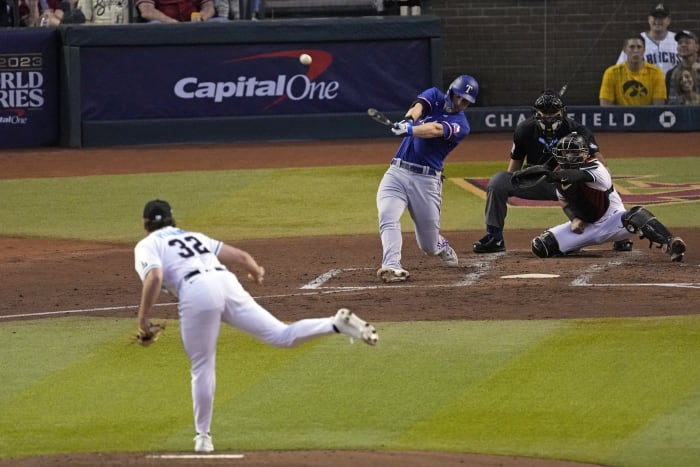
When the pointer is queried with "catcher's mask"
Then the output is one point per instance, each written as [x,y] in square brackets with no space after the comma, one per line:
[571,151]
[464,86]
[549,112]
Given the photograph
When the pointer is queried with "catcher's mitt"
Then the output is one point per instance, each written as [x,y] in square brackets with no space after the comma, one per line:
[531,176]
[146,337]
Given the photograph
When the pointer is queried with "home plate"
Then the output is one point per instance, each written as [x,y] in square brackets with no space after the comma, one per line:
[533,275]
[196,456]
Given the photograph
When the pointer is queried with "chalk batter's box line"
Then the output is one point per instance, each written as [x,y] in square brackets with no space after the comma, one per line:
[582,280]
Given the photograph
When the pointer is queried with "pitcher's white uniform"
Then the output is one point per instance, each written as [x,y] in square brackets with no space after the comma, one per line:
[207,295]
[602,204]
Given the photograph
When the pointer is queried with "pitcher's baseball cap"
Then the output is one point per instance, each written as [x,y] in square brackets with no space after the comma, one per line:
[686,33]
[157,210]
[660,11]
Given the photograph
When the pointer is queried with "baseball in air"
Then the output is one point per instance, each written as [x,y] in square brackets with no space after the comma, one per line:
[305,59]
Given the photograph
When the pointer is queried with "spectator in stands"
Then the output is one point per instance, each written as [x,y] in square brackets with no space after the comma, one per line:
[175,11]
[105,11]
[27,13]
[660,43]
[231,9]
[228,9]
[688,51]
[51,13]
[634,82]
[255,10]
[72,14]
[686,82]
[6,12]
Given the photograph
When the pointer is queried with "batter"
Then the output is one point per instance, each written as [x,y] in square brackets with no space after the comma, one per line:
[186,265]
[433,126]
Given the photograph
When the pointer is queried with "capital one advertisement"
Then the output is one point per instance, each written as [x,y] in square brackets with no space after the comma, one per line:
[28,88]
[163,82]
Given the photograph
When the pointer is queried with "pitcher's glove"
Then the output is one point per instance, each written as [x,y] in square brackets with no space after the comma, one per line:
[531,176]
[146,337]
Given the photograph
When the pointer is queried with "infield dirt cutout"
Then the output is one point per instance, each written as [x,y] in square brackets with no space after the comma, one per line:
[57,276]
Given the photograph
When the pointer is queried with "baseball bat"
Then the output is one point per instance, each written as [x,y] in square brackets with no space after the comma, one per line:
[563,90]
[583,61]
[379,117]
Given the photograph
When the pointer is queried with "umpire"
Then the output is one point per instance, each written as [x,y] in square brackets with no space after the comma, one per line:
[533,142]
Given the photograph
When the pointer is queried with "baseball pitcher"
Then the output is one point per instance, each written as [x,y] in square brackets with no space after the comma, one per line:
[188,265]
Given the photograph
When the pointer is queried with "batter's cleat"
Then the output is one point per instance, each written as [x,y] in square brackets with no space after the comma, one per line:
[202,443]
[676,248]
[392,275]
[348,323]
[449,257]
[489,244]
[622,245]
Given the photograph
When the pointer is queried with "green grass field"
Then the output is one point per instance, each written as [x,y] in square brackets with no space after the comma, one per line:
[245,204]
[613,391]
[622,392]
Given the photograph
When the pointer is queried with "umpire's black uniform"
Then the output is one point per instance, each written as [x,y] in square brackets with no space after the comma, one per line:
[531,147]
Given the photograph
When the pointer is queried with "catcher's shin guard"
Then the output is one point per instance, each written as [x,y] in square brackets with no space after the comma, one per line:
[546,245]
[640,220]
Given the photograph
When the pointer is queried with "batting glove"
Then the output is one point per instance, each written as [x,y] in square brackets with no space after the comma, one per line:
[404,127]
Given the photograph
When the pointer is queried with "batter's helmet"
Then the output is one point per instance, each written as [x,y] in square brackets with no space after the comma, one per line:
[571,151]
[464,86]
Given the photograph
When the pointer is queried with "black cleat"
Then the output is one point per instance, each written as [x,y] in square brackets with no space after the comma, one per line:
[622,245]
[489,244]
[676,248]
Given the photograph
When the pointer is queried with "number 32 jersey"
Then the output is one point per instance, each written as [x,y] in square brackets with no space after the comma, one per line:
[177,252]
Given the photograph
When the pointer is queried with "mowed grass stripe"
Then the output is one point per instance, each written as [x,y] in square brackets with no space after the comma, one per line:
[581,394]
[354,397]
[273,203]
[116,396]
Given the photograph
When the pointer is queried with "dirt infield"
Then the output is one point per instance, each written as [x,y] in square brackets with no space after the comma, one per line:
[55,277]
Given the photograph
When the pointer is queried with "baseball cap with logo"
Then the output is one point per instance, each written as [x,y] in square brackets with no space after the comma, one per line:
[660,11]
[686,33]
[157,210]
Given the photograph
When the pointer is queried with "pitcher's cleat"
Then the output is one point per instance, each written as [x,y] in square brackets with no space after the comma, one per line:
[348,323]
[202,443]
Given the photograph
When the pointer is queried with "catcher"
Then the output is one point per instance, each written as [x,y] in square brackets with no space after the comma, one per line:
[594,208]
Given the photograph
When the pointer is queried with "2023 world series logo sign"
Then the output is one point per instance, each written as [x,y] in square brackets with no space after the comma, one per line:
[21,86]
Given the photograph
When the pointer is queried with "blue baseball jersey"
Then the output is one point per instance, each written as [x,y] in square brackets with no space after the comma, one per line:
[433,151]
